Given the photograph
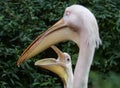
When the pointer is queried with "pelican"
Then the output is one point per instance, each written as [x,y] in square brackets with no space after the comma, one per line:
[79,25]
[61,66]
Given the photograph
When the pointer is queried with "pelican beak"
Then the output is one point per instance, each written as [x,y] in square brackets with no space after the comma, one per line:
[60,54]
[55,34]
[54,66]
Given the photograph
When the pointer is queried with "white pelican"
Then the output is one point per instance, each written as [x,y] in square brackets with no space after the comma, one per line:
[79,25]
[61,66]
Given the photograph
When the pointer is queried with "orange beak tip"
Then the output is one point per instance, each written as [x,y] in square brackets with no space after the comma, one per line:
[18,62]
[18,65]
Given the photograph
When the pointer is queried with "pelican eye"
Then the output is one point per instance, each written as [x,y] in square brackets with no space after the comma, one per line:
[68,59]
[67,13]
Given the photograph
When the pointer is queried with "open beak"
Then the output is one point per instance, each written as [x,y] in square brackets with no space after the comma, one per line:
[55,34]
[54,66]
[60,54]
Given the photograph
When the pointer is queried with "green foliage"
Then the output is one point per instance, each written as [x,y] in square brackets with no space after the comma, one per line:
[108,15]
[98,80]
[21,21]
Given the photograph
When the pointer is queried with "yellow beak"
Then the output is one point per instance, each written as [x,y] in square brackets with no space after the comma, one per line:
[52,65]
[55,34]
[56,66]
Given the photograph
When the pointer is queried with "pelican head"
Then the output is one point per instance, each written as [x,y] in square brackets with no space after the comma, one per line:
[61,66]
[77,24]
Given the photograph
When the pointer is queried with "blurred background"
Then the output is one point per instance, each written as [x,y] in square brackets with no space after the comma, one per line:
[21,21]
